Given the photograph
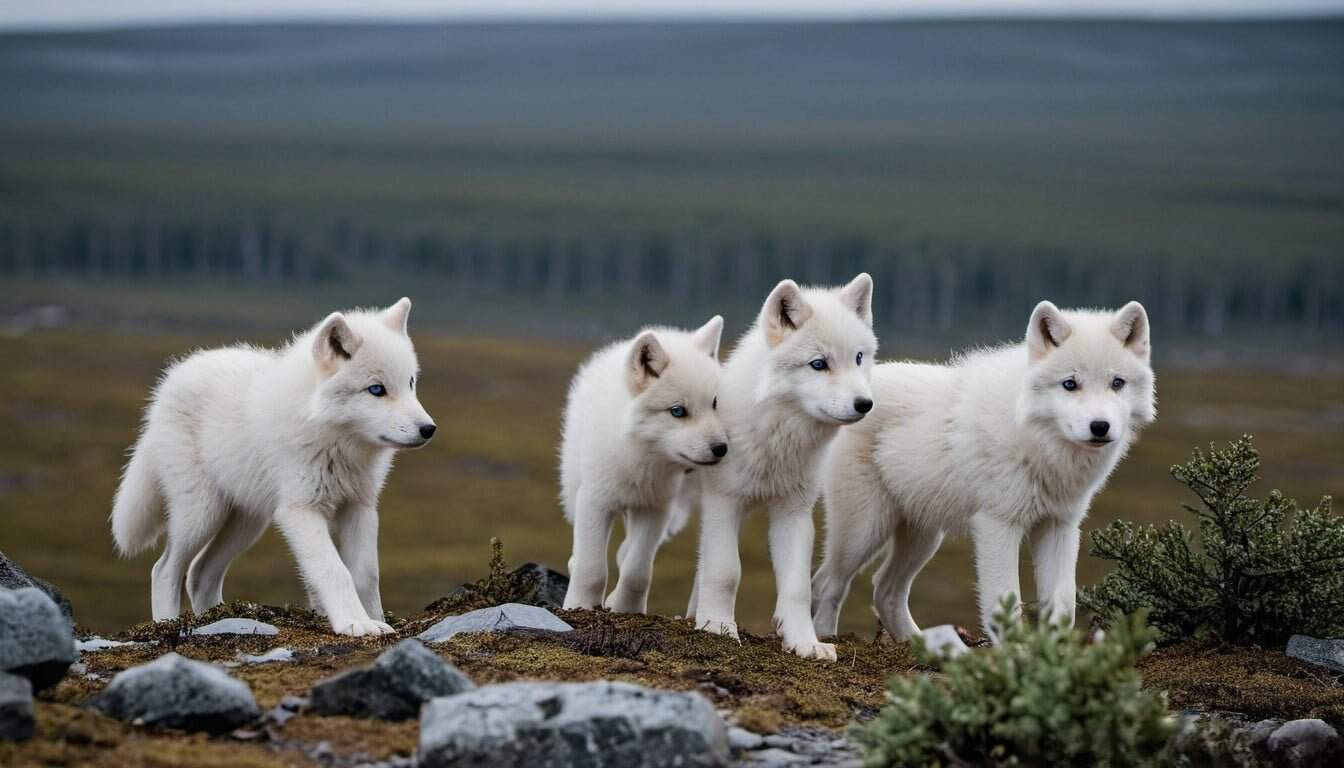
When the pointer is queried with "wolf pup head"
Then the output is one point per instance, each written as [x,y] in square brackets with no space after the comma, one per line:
[1089,374]
[673,377]
[821,348]
[367,373]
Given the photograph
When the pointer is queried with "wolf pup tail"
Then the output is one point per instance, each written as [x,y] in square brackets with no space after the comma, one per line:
[137,514]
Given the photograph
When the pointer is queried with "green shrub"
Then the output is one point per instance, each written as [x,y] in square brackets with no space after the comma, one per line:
[1263,571]
[1042,697]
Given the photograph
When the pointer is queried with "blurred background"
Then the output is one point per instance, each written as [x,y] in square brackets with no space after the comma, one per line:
[544,177]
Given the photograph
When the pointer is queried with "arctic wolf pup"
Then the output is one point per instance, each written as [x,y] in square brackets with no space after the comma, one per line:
[642,413]
[799,375]
[1006,442]
[237,437]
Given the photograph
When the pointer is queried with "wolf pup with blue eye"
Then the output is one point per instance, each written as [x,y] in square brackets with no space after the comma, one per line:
[240,437]
[642,414]
[1005,443]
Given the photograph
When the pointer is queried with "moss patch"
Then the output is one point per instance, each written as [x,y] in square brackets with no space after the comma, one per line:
[1253,681]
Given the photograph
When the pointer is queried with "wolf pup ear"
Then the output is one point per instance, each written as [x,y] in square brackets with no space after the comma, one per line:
[646,362]
[334,342]
[784,312]
[707,336]
[397,315]
[858,296]
[1047,330]
[1131,328]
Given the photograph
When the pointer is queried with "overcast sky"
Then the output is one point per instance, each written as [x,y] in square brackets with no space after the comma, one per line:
[115,12]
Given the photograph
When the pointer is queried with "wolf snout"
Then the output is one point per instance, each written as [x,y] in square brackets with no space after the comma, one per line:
[863,404]
[718,449]
[427,430]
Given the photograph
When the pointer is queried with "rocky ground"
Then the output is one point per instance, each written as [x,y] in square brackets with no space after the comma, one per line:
[281,690]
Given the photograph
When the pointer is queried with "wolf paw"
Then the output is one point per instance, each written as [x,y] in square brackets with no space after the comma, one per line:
[813,650]
[364,628]
[716,627]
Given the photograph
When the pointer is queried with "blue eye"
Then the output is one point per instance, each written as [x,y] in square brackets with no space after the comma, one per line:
[377,390]
[1069,384]
[1117,383]
[858,360]
[677,411]
[819,364]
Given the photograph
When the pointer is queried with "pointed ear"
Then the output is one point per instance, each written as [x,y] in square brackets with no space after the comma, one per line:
[396,315]
[784,312]
[1131,328]
[334,342]
[1047,330]
[646,362]
[858,296]
[707,336]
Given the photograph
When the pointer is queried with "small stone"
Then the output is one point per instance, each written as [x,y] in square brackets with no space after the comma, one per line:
[776,741]
[236,627]
[1306,744]
[177,692]
[548,585]
[742,740]
[500,618]
[96,643]
[944,641]
[14,577]
[272,656]
[393,687]
[293,703]
[36,639]
[601,724]
[1327,653]
[16,708]
[776,757]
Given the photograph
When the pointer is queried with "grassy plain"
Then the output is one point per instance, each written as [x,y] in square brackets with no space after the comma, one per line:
[73,400]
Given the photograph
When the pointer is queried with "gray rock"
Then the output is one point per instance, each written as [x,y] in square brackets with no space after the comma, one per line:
[96,643]
[177,692]
[1306,744]
[777,741]
[236,627]
[547,585]
[1327,653]
[14,577]
[274,656]
[587,725]
[742,740]
[36,639]
[393,687]
[16,708]
[500,618]
[774,756]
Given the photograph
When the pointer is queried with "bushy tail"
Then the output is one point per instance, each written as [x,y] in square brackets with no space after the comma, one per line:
[137,514]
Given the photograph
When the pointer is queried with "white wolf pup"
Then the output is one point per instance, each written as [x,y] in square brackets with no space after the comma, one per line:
[641,414]
[237,437]
[1005,443]
[796,377]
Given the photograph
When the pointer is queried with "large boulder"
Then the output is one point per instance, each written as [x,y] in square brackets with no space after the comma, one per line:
[1306,744]
[1328,653]
[508,617]
[16,708]
[176,692]
[36,639]
[393,687]
[14,577]
[587,725]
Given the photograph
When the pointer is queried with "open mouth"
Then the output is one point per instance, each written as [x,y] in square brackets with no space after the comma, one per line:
[699,463]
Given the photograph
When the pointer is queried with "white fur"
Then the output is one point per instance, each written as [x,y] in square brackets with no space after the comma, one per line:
[238,437]
[991,443]
[625,453]
[781,414]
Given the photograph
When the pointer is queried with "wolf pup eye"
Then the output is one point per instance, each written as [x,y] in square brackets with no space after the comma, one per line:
[818,365]
[412,382]
[1069,384]
[377,390]
[858,360]
[715,404]
[1117,384]
[677,411]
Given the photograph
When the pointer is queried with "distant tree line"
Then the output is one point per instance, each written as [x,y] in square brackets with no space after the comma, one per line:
[920,284]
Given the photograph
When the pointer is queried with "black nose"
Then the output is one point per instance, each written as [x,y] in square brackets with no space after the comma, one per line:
[427,431]
[1100,428]
[719,449]
[863,404]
